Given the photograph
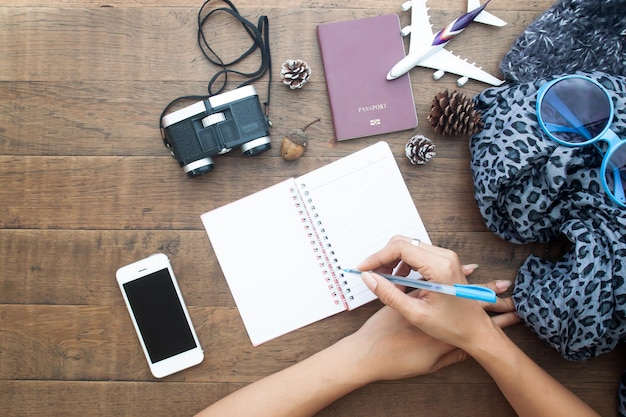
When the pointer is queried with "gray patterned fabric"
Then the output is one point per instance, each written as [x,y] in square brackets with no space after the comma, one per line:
[573,35]
[530,189]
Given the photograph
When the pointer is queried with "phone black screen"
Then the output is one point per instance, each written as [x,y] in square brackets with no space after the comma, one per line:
[159,315]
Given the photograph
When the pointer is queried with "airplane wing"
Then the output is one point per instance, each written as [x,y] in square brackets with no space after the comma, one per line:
[448,62]
[421,29]
[484,16]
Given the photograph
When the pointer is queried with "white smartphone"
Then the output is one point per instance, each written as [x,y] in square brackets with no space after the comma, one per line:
[159,315]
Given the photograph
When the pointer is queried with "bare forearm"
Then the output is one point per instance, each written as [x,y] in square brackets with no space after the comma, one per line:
[298,391]
[530,390]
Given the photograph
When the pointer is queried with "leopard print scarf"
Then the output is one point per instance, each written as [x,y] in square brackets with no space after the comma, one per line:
[530,189]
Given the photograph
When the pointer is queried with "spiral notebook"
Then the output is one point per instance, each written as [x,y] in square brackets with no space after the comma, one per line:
[282,249]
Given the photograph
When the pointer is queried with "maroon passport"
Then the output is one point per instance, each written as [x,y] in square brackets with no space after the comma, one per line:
[357,55]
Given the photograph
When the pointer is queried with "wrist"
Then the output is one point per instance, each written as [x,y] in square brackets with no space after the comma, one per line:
[490,342]
[354,352]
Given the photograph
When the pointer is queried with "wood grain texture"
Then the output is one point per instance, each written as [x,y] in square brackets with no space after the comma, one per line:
[87,186]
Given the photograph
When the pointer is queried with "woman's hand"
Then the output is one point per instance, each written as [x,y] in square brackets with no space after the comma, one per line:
[391,347]
[455,321]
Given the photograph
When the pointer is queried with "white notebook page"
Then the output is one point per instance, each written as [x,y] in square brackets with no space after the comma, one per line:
[269,263]
[361,206]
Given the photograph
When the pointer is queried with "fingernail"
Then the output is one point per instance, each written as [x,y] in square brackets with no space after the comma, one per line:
[471,267]
[503,284]
[369,280]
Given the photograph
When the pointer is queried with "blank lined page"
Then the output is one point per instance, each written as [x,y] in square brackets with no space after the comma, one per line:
[269,263]
[362,201]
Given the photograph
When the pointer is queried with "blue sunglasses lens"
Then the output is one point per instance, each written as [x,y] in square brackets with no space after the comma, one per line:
[575,110]
[615,174]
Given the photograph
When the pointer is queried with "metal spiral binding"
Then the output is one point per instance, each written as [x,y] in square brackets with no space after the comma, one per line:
[316,233]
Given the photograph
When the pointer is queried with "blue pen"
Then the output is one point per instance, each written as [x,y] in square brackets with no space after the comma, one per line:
[474,292]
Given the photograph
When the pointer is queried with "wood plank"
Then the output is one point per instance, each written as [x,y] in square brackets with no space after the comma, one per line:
[167,399]
[536,6]
[89,42]
[135,192]
[123,120]
[99,343]
[107,398]
[77,267]
[62,119]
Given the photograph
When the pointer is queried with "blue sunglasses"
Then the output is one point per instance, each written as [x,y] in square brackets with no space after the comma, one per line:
[575,110]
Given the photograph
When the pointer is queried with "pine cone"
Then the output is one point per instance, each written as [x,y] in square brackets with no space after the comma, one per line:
[419,149]
[454,114]
[295,73]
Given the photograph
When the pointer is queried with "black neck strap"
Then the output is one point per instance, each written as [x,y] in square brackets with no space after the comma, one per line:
[259,34]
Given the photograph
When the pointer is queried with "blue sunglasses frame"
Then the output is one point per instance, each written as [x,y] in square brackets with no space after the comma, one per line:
[576,126]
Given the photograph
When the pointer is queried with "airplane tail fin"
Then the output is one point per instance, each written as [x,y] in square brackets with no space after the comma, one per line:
[484,16]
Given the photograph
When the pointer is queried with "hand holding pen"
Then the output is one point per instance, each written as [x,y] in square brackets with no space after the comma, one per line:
[454,320]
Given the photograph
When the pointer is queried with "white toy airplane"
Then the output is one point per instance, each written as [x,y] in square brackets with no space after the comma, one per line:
[427,49]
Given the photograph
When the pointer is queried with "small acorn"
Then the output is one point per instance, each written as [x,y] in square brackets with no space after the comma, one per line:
[295,143]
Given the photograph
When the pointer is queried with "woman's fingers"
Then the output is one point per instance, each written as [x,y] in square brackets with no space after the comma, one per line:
[430,261]
[402,255]
[390,295]
[502,304]
[505,320]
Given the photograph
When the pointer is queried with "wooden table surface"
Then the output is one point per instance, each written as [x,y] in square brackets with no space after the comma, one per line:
[87,187]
